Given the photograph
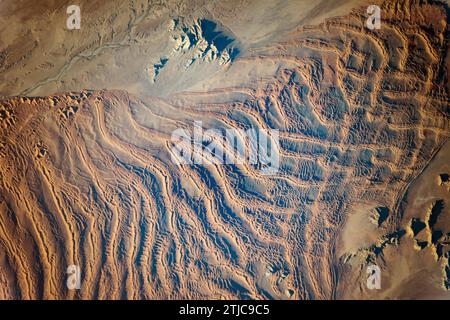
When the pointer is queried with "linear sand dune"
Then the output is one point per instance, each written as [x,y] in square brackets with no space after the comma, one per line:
[87,179]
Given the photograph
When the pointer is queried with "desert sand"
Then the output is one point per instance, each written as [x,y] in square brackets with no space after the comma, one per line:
[86,176]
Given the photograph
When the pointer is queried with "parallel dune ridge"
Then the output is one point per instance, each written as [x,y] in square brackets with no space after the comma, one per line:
[86,178]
